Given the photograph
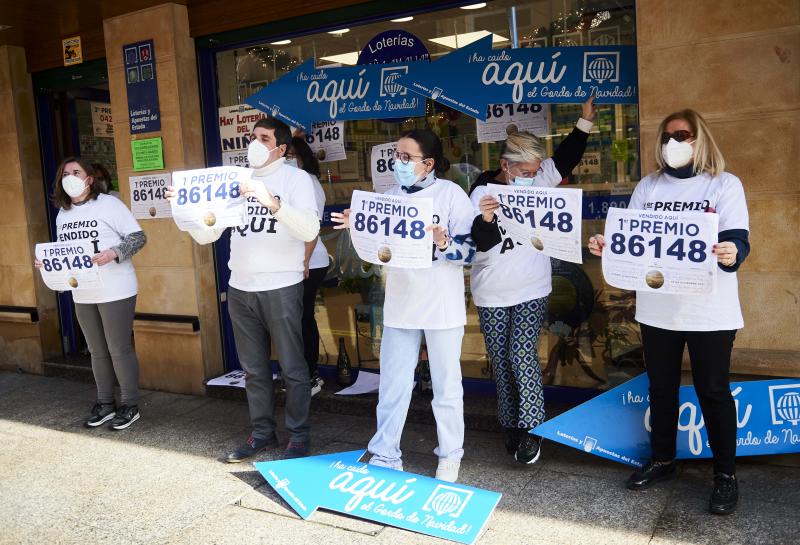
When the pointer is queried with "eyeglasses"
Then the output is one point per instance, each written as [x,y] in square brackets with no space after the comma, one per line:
[526,173]
[404,157]
[678,136]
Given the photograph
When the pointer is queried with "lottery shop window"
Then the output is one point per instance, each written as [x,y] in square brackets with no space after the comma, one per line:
[591,339]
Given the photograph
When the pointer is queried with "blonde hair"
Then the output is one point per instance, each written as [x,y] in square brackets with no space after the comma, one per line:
[522,147]
[707,157]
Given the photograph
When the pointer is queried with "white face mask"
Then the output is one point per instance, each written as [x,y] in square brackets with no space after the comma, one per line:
[677,154]
[258,154]
[73,185]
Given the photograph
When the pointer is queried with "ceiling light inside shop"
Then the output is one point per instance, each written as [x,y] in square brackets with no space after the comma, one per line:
[281,42]
[339,32]
[402,19]
[350,59]
[460,40]
[475,6]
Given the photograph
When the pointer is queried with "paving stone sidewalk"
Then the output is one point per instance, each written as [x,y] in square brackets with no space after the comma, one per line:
[161,482]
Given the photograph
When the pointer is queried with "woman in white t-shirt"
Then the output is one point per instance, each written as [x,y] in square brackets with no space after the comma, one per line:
[691,176]
[105,314]
[429,301]
[511,282]
[316,261]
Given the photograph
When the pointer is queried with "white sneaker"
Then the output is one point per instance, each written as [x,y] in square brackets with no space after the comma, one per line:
[316,385]
[397,465]
[448,469]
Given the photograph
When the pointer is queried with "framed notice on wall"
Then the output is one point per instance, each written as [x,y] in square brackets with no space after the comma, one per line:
[140,79]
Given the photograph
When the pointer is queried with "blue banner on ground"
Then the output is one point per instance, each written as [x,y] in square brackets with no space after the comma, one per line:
[472,77]
[140,81]
[339,482]
[308,94]
[615,425]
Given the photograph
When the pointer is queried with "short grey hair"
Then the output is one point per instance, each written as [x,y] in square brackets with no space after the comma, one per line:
[522,147]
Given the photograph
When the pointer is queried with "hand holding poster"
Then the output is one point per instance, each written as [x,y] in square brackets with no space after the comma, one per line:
[68,265]
[209,198]
[382,167]
[147,196]
[547,218]
[390,229]
[326,140]
[667,252]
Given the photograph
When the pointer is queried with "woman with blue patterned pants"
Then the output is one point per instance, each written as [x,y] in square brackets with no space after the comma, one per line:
[511,282]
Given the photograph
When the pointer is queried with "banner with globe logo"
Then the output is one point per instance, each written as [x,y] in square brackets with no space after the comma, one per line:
[616,424]
[341,482]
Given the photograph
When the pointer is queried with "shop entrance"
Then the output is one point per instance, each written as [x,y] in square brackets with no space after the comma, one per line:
[74,118]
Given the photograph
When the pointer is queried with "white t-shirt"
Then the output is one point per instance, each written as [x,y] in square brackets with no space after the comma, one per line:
[264,255]
[510,274]
[104,222]
[319,258]
[723,194]
[431,298]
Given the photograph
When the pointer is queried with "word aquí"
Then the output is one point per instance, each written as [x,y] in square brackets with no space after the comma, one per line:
[369,488]
[659,227]
[354,88]
[518,74]
[694,422]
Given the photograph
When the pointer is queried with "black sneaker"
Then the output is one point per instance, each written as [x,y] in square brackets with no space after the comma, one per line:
[512,439]
[529,448]
[252,447]
[101,413]
[725,495]
[316,384]
[652,473]
[126,415]
[297,449]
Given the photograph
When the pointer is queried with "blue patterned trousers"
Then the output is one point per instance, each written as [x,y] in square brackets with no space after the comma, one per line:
[512,341]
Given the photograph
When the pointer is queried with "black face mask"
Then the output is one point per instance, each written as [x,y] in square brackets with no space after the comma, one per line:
[686,171]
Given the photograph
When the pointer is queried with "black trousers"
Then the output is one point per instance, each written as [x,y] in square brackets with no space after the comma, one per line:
[310,331]
[710,355]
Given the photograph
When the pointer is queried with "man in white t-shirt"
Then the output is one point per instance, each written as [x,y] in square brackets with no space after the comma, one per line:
[265,291]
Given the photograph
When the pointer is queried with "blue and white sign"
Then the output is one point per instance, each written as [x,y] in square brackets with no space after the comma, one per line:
[616,424]
[140,81]
[340,482]
[309,94]
[472,77]
[393,46]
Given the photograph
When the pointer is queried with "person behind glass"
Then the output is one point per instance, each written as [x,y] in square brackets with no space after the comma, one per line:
[105,314]
[426,301]
[265,290]
[692,174]
[316,261]
[102,179]
[511,282]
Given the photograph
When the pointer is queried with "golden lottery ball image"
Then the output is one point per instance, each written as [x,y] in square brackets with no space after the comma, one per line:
[321,155]
[511,129]
[73,282]
[537,243]
[384,254]
[654,279]
[210,219]
[152,211]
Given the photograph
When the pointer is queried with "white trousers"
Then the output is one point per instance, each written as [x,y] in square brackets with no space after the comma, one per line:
[399,357]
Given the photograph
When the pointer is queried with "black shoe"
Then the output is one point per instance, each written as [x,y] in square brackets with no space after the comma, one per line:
[652,473]
[252,447]
[101,413]
[316,384]
[126,415]
[529,448]
[297,449]
[725,495]
[512,440]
